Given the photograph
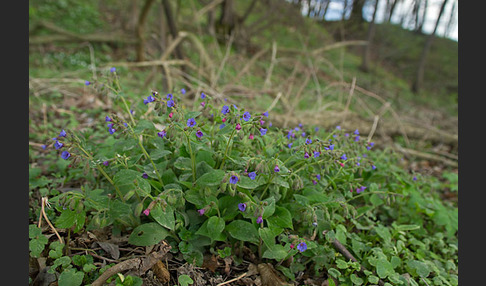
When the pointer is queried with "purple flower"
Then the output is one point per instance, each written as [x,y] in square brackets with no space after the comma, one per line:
[414,178]
[318,176]
[111,130]
[356,132]
[373,167]
[344,157]
[331,147]
[259,219]
[234,179]
[169,96]
[63,133]
[65,155]
[300,125]
[191,122]
[263,131]
[106,163]
[314,182]
[252,175]
[356,138]
[316,154]
[276,169]
[306,155]
[316,129]
[265,113]
[58,145]
[113,69]
[290,145]
[146,212]
[246,116]
[199,134]
[360,189]
[183,91]
[346,134]
[107,118]
[150,98]
[87,82]
[225,109]
[262,122]
[203,96]
[242,207]
[44,146]
[201,211]
[303,134]
[222,126]
[144,175]
[302,247]
[203,103]
[162,133]
[238,126]
[109,125]
[170,103]
[338,127]
[270,124]
[308,141]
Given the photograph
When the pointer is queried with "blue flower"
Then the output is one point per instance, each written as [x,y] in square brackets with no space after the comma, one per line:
[276,169]
[263,131]
[65,155]
[170,103]
[259,219]
[199,134]
[290,145]
[265,113]
[169,96]
[373,167]
[144,175]
[87,82]
[191,122]
[112,130]
[225,109]
[242,207]
[316,129]
[113,69]
[302,247]
[203,96]
[308,141]
[183,91]
[318,176]
[162,133]
[306,155]
[356,132]
[58,145]
[331,147]
[344,157]
[316,154]
[234,179]
[107,118]
[356,138]
[246,116]
[63,133]
[303,134]
[222,126]
[252,175]
[360,189]
[338,127]
[106,163]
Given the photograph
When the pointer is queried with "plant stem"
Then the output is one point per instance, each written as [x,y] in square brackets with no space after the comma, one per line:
[267,186]
[227,147]
[193,159]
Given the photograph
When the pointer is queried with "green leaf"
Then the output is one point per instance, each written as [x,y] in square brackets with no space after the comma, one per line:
[192,114]
[247,183]
[183,163]
[144,125]
[158,153]
[269,209]
[420,267]
[384,233]
[213,178]
[267,236]
[185,280]
[341,264]
[219,224]
[66,219]
[281,217]
[356,280]
[334,272]
[164,218]
[404,227]
[376,200]
[215,225]
[276,251]
[70,277]
[147,234]
[384,268]
[243,230]
[130,180]
[205,156]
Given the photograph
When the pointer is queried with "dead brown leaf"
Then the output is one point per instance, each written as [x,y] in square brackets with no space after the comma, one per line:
[161,272]
[270,276]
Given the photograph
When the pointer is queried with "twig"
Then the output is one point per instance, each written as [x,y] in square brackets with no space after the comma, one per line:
[274,102]
[232,280]
[140,264]
[426,156]
[272,64]
[351,92]
[214,81]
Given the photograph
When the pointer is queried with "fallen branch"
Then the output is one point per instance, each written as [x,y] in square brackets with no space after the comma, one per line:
[427,156]
[140,264]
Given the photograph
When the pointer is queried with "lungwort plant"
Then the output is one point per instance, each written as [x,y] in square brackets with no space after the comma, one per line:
[219,178]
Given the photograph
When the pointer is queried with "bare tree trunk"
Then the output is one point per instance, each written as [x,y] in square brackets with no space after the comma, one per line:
[343,16]
[326,7]
[392,10]
[452,20]
[140,30]
[371,32]
[421,67]
[172,26]
[356,15]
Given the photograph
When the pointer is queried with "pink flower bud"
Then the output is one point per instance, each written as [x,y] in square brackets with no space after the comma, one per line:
[224,119]
[171,114]
[203,103]
[146,212]
[238,126]
[251,136]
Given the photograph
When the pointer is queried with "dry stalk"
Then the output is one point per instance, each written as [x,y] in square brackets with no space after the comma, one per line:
[348,102]
[272,64]
[43,214]
[214,80]
[233,280]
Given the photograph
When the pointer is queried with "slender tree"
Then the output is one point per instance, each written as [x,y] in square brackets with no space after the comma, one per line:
[417,84]
[369,38]
[141,29]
